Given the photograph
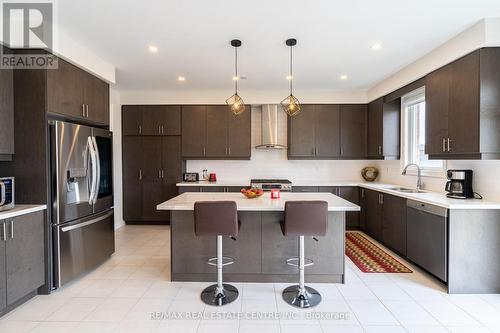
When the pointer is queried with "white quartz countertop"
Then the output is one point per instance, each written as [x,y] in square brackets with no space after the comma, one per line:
[186,201]
[432,198]
[21,210]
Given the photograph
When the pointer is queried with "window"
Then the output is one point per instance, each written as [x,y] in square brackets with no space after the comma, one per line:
[413,110]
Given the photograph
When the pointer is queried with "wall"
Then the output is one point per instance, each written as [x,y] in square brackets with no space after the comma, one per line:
[115,126]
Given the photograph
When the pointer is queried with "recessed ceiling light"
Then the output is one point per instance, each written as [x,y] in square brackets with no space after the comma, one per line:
[181,78]
[343,77]
[376,46]
[289,77]
[153,48]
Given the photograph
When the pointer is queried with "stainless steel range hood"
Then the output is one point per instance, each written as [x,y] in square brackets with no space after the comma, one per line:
[270,126]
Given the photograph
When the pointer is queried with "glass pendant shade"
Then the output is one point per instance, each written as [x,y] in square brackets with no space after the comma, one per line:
[236,104]
[291,105]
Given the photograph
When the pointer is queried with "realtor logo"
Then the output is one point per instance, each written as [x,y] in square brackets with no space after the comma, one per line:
[28,26]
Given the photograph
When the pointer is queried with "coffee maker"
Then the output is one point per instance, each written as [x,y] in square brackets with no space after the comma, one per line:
[459,184]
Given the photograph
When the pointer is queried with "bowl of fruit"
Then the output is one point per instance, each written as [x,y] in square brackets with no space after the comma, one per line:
[252,193]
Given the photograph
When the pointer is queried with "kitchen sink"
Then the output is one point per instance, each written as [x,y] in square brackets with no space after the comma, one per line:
[405,190]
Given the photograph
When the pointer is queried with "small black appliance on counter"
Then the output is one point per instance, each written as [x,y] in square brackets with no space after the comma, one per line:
[459,184]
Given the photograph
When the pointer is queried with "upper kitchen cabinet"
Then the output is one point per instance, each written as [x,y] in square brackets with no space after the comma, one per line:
[353,127]
[151,120]
[384,129]
[463,108]
[6,113]
[212,131]
[314,133]
[76,94]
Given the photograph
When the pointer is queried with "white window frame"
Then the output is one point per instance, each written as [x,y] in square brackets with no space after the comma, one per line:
[411,98]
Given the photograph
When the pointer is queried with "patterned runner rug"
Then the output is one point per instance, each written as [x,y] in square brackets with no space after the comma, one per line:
[369,257]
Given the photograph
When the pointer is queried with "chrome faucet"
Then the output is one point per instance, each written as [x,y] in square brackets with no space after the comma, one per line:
[419,175]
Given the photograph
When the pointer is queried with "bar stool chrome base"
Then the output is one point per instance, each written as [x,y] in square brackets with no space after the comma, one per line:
[304,299]
[211,295]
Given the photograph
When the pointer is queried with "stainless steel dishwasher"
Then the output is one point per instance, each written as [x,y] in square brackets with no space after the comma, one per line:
[427,237]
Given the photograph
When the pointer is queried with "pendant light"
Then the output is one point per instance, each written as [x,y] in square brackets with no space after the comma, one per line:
[291,104]
[235,102]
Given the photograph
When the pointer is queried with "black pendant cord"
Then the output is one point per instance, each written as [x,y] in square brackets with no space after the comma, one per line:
[291,71]
[236,78]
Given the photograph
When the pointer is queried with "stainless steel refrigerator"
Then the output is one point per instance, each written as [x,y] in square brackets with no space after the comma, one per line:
[82,199]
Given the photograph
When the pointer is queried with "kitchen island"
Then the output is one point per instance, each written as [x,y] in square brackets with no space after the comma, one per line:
[260,250]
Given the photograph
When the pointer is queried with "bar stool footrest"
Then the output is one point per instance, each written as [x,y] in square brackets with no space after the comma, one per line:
[295,262]
[225,261]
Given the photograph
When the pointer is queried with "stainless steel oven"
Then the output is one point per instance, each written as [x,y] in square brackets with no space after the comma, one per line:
[82,198]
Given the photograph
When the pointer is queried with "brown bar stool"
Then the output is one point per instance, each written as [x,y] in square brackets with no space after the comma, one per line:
[217,218]
[303,218]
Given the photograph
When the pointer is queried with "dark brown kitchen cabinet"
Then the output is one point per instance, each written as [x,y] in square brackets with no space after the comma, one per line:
[154,120]
[76,94]
[463,108]
[22,259]
[301,139]
[194,131]
[212,131]
[6,113]
[353,128]
[216,137]
[384,129]
[374,213]
[394,222]
[327,131]
[96,98]
[25,255]
[362,213]
[132,178]
[152,166]
[132,119]
[315,132]
[351,194]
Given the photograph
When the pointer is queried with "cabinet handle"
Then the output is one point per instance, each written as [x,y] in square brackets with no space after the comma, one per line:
[87,110]
[229,150]
[159,129]
[159,173]
[11,229]
[162,172]
[362,193]
[380,150]
[448,144]
[83,110]
[140,129]
[341,151]
[317,151]
[140,174]
[4,233]
[381,199]
[204,151]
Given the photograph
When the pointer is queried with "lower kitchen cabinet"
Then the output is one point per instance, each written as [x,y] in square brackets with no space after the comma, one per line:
[349,193]
[374,214]
[22,261]
[394,223]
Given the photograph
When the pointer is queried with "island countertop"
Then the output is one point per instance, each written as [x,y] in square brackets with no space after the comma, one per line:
[186,201]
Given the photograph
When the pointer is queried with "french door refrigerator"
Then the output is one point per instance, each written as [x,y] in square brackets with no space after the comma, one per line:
[82,199]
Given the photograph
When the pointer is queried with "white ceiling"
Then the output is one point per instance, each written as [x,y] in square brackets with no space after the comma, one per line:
[334,38]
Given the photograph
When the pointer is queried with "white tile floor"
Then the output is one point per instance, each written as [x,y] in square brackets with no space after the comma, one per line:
[120,296]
